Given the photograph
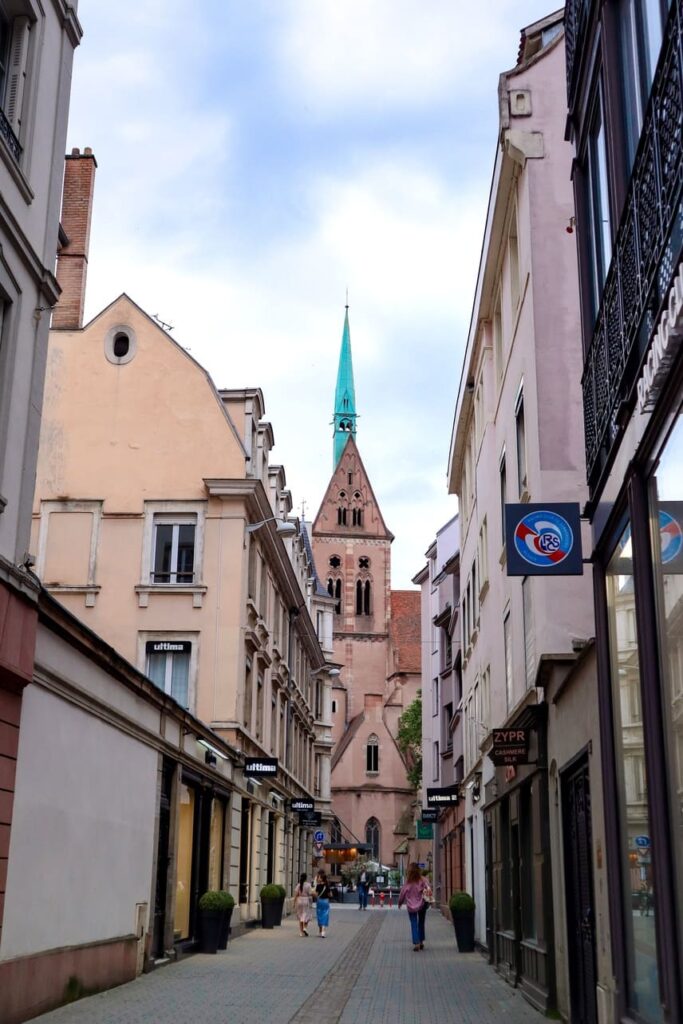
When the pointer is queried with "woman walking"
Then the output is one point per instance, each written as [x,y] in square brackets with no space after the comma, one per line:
[413,895]
[302,905]
[322,905]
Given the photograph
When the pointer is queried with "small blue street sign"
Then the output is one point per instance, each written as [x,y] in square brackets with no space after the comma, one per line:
[642,842]
[319,837]
[543,540]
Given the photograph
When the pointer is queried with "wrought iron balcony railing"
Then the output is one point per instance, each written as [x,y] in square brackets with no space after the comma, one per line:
[9,136]
[645,255]
[575,24]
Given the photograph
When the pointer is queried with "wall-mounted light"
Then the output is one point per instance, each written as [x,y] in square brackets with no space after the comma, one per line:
[213,750]
[284,528]
[209,757]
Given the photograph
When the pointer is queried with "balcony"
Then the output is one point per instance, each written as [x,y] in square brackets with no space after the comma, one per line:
[644,260]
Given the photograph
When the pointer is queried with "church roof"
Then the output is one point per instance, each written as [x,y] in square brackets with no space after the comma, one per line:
[325,523]
[344,396]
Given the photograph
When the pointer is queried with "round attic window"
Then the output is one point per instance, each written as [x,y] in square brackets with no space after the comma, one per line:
[120,344]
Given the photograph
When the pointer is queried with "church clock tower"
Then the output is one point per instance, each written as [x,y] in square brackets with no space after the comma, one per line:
[352,550]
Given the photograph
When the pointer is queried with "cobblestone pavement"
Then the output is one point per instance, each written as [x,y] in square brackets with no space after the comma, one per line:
[365,969]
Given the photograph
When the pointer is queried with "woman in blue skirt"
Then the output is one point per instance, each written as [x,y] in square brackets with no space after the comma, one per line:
[322,905]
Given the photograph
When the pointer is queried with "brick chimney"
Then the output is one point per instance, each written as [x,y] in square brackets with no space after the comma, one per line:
[72,257]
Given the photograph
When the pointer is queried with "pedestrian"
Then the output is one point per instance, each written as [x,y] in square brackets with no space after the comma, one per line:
[413,894]
[322,904]
[302,905]
[363,891]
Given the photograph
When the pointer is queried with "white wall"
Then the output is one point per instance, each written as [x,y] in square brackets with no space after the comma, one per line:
[82,842]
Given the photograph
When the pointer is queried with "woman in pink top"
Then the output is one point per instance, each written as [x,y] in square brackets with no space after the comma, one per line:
[413,895]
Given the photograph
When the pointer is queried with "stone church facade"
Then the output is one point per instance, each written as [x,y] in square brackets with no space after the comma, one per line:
[376,643]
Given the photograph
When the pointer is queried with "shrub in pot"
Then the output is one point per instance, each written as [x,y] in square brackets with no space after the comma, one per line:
[215,911]
[270,905]
[280,904]
[461,906]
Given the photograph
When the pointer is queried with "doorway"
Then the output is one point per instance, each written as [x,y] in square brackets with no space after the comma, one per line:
[163,860]
[578,875]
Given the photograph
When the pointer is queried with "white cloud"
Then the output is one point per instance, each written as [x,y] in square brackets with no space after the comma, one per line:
[384,54]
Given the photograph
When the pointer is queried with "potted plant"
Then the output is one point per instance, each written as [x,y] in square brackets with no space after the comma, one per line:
[215,909]
[270,905]
[280,904]
[226,919]
[461,906]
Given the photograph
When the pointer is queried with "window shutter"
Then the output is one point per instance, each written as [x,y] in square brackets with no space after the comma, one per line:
[16,76]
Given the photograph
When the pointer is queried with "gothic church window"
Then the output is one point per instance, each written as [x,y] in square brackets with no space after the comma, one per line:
[357,516]
[372,755]
[363,563]
[334,589]
[335,561]
[363,593]
[341,516]
[372,838]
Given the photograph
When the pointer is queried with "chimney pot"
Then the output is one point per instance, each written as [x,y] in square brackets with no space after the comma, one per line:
[75,151]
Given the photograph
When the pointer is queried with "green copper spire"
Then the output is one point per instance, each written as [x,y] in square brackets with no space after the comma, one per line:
[344,396]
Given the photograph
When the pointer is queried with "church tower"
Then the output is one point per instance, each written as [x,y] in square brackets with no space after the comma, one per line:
[352,550]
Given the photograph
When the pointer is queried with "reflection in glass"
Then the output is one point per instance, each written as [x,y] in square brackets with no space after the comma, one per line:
[216,844]
[636,866]
[184,878]
[667,549]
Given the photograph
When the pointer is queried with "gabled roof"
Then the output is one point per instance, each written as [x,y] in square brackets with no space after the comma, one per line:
[324,526]
[353,727]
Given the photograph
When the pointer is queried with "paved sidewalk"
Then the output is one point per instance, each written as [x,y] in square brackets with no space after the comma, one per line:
[365,969]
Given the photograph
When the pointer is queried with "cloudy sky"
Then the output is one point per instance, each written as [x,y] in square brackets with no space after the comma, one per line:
[258,157]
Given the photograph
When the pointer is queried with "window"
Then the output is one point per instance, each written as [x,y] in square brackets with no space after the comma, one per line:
[520,436]
[503,493]
[447,734]
[507,646]
[372,755]
[121,345]
[483,557]
[263,589]
[334,589]
[173,551]
[435,761]
[363,593]
[640,30]
[259,705]
[168,666]
[335,561]
[364,563]
[14,45]
[372,834]
[357,517]
[513,258]
[334,707]
[248,693]
[341,516]
[599,231]
[435,696]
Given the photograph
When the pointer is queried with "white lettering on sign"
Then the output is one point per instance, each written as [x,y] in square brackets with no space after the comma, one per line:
[509,736]
[662,348]
[258,766]
[165,645]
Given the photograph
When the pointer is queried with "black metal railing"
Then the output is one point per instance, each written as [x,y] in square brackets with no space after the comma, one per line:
[9,136]
[575,23]
[644,259]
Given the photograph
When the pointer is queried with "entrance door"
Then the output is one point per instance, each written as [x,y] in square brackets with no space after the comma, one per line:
[158,940]
[245,827]
[576,805]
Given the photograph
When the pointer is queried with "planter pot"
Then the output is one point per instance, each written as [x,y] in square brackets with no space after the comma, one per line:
[280,906]
[463,923]
[209,930]
[269,912]
[226,917]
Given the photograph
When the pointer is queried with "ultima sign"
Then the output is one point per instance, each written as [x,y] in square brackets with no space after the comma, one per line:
[664,346]
[445,797]
[261,766]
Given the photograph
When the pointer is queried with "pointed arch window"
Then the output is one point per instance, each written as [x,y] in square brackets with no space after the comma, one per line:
[372,755]
[357,517]
[334,589]
[341,516]
[363,597]
[372,835]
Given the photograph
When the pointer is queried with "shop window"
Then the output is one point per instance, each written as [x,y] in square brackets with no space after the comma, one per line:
[634,822]
[168,666]
[372,836]
[186,828]
[216,844]
[372,756]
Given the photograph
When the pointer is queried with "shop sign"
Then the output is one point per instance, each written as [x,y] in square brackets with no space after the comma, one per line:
[310,819]
[430,814]
[257,766]
[168,646]
[319,836]
[642,842]
[543,540]
[663,347]
[425,830]
[302,805]
[446,797]
[510,747]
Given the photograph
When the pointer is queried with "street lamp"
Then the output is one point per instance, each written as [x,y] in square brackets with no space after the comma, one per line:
[284,528]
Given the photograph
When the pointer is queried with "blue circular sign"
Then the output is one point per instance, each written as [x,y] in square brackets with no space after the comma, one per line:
[319,837]
[642,842]
[671,537]
[543,538]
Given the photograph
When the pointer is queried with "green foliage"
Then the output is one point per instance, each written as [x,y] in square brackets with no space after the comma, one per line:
[216,899]
[282,891]
[460,902]
[270,893]
[410,740]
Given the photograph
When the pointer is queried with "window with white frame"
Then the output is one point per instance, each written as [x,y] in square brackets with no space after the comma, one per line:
[520,438]
[15,38]
[168,666]
[173,550]
[435,696]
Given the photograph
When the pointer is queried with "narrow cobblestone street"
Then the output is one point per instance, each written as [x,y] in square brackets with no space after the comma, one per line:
[365,969]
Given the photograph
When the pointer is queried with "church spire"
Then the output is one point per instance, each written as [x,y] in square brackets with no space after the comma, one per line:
[344,396]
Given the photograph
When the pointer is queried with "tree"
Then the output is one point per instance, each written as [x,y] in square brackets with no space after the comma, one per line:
[410,740]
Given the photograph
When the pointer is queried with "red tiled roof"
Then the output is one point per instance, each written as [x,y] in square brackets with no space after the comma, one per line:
[405,630]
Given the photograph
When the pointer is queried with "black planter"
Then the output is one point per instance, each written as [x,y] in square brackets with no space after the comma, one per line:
[269,913]
[280,906]
[226,917]
[209,930]
[463,923]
